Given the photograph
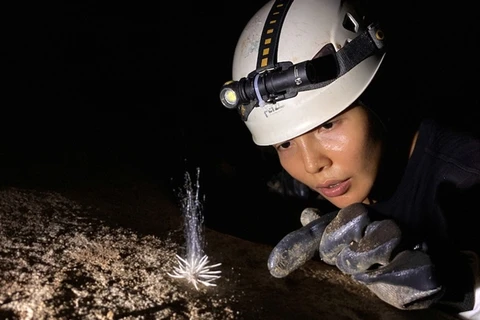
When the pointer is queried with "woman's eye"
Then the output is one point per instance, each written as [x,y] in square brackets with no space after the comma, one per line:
[284,145]
[327,125]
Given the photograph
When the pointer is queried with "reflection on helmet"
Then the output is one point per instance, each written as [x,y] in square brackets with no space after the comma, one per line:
[299,63]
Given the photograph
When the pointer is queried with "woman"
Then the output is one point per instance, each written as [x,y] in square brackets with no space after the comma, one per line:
[305,72]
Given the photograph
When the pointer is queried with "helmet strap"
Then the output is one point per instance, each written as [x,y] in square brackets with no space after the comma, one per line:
[267,53]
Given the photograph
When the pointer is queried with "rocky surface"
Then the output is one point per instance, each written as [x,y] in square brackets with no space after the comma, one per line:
[104,253]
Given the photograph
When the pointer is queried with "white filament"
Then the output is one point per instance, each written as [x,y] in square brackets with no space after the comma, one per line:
[194,267]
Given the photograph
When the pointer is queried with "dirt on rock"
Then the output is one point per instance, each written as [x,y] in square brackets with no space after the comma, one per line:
[105,253]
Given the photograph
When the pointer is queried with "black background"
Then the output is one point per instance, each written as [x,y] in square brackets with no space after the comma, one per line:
[90,92]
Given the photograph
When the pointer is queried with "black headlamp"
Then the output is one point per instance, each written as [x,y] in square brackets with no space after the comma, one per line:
[282,82]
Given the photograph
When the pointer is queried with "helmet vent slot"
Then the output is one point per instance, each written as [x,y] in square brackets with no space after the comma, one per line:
[350,23]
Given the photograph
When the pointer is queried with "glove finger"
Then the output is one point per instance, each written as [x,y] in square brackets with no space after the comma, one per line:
[308,215]
[376,246]
[348,226]
[408,282]
[297,247]
[412,269]
[406,298]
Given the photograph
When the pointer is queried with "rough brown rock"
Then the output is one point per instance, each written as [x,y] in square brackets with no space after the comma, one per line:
[104,253]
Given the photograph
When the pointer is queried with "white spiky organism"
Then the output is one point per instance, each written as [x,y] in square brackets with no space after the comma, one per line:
[194,267]
[196,271]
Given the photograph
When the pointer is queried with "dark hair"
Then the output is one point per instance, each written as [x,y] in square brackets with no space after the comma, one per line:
[396,135]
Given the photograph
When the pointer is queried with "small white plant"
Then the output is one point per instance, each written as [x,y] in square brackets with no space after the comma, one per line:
[194,267]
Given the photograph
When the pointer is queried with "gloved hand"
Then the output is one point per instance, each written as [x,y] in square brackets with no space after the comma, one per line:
[367,250]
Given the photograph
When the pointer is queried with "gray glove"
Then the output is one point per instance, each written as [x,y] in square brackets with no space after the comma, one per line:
[364,249]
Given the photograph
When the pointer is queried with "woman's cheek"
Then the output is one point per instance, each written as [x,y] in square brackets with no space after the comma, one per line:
[334,142]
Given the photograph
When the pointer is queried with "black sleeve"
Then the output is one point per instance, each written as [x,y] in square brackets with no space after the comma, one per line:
[437,203]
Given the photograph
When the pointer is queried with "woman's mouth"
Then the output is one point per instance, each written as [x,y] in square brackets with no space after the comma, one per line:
[333,189]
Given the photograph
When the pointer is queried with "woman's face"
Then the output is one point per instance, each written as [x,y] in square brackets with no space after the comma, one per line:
[338,159]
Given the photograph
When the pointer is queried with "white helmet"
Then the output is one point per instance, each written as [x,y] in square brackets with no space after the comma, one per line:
[298,63]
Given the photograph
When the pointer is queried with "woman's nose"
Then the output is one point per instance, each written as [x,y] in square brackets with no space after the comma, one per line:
[313,156]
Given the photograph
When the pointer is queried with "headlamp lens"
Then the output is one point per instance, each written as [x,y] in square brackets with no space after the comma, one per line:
[229,97]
